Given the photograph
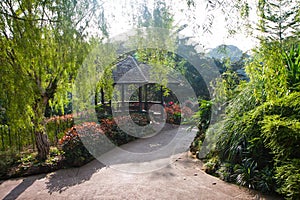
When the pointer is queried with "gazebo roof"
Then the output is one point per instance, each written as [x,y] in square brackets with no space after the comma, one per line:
[129,71]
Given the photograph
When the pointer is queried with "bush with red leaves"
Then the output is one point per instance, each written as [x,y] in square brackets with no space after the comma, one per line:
[93,134]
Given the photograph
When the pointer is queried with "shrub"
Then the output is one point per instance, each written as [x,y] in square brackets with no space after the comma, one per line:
[112,130]
[260,127]
[267,181]
[245,174]
[225,172]
[173,112]
[57,125]
[8,159]
[288,179]
[75,152]
[95,136]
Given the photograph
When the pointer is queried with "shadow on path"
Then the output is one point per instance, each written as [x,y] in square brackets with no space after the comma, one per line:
[26,183]
[61,180]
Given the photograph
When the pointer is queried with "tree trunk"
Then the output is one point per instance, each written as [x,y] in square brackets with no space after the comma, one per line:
[41,138]
[42,144]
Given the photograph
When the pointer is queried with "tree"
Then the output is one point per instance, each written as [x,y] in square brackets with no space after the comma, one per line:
[278,19]
[42,45]
[258,136]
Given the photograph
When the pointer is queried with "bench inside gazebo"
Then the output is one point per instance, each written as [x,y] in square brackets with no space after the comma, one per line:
[135,88]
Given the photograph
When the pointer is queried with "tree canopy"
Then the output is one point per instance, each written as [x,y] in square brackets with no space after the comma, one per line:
[42,45]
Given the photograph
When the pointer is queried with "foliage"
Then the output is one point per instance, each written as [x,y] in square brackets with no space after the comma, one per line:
[15,164]
[111,128]
[201,119]
[8,159]
[75,152]
[57,125]
[173,112]
[282,136]
[258,142]
[267,133]
[211,165]
[90,133]
[176,114]
[42,46]
[292,60]
[278,19]
[245,174]
[288,178]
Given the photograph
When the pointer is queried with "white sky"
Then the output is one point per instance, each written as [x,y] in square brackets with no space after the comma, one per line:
[119,14]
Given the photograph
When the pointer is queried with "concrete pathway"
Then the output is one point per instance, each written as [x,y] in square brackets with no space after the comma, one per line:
[138,170]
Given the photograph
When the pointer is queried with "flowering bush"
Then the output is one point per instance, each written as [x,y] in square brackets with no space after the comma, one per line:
[112,130]
[173,113]
[95,136]
[74,151]
[57,125]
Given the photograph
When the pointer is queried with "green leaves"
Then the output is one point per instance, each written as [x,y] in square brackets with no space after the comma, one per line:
[246,173]
[282,136]
[292,60]
[260,132]
[278,19]
[288,178]
[43,44]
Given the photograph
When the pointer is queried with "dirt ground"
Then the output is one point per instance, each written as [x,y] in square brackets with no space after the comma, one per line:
[123,176]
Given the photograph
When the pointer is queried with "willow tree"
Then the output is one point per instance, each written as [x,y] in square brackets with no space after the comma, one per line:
[42,45]
[159,28]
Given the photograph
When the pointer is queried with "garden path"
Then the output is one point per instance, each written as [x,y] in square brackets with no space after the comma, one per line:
[124,175]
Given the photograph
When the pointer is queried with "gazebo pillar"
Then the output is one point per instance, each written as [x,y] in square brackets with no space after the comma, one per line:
[140,99]
[161,95]
[122,97]
[102,96]
[162,101]
[146,96]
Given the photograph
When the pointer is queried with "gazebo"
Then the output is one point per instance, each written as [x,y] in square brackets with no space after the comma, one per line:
[135,86]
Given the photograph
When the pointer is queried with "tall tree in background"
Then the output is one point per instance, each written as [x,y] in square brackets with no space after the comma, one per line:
[278,19]
[42,45]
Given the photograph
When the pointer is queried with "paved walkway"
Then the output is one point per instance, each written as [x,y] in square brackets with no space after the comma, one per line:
[134,175]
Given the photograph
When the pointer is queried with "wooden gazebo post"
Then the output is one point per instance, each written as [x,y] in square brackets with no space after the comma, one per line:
[162,102]
[122,97]
[102,96]
[140,99]
[146,97]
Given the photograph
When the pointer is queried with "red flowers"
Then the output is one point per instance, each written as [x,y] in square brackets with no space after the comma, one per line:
[59,119]
[175,113]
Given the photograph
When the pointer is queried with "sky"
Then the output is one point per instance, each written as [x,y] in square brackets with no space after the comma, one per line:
[122,15]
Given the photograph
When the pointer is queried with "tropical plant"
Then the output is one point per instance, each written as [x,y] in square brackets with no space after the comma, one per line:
[259,139]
